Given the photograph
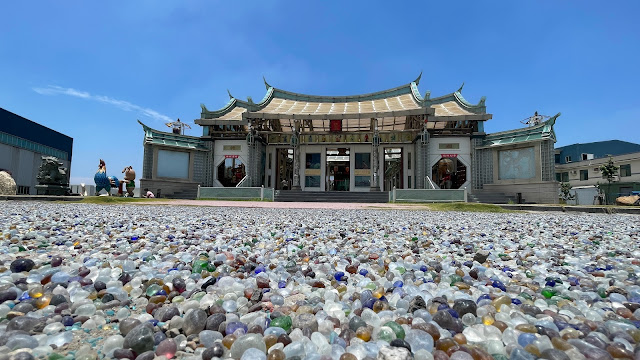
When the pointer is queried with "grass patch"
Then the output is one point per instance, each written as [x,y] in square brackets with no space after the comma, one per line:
[471,207]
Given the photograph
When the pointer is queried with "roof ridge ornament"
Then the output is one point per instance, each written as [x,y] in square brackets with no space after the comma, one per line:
[230,96]
[417,80]
[460,89]
[427,95]
[266,84]
[204,108]
[482,101]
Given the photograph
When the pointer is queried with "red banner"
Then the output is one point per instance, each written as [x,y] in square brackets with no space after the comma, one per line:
[335,125]
[231,156]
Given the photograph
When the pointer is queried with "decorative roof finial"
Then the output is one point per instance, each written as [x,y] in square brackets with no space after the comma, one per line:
[266,84]
[249,100]
[230,96]
[417,80]
[427,95]
[204,108]
[460,89]
[482,101]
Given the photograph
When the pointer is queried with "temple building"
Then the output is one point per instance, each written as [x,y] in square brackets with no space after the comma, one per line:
[395,138]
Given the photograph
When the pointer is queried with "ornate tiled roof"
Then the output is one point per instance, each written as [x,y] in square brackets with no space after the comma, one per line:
[542,131]
[401,100]
[152,136]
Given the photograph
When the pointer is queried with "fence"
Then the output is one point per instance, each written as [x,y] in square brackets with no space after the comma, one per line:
[428,195]
[236,193]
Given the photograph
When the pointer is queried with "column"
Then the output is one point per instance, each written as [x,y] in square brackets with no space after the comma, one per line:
[296,156]
[375,146]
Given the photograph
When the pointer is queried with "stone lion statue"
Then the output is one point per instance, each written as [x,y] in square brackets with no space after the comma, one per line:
[52,172]
[7,184]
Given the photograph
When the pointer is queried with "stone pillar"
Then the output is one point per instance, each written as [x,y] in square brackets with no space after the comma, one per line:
[296,156]
[375,148]
[250,167]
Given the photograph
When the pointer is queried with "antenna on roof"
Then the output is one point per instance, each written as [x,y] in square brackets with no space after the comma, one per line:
[535,119]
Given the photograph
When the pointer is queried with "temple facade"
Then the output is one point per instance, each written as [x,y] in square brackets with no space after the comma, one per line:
[362,143]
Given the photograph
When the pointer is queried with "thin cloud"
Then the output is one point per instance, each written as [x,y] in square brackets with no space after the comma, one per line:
[121,104]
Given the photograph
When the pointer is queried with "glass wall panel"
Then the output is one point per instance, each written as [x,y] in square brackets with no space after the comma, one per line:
[517,164]
[173,164]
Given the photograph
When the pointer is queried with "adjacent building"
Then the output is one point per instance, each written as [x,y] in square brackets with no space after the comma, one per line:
[579,165]
[23,143]
[395,138]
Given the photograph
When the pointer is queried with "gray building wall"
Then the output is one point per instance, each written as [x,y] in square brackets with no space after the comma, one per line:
[23,165]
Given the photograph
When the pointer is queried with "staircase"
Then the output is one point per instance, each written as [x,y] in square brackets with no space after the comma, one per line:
[491,198]
[331,196]
[190,194]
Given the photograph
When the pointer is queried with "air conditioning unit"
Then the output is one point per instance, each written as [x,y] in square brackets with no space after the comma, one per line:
[574,172]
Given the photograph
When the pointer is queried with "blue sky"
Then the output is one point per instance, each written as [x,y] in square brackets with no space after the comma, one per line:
[90,69]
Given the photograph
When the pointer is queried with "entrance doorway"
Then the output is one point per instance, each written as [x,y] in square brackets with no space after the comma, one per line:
[284,166]
[449,173]
[392,168]
[338,175]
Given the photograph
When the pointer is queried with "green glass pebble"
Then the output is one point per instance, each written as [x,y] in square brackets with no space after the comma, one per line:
[386,334]
[282,322]
[548,293]
[56,356]
[199,265]
[602,293]
[153,289]
[397,329]
[401,270]
[524,295]
[455,278]
[370,286]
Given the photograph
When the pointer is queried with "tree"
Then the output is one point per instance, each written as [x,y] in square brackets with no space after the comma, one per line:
[609,171]
[565,192]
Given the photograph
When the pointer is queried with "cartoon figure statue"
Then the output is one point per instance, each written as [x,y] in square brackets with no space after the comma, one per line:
[129,181]
[102,180]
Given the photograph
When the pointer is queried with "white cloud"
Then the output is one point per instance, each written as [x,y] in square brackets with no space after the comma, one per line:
[122,104]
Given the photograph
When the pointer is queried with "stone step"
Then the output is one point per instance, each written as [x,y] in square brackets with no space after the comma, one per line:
[338,196]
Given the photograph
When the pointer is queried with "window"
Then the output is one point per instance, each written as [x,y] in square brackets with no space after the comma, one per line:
[231,171]
[363,181]
[409,182]
[567,159]
[558,177]
[584,175]
[587,156]
[409,164]
[363,160]
[565,177]
[625,170]
[22,190]
[312,181]
[313,161]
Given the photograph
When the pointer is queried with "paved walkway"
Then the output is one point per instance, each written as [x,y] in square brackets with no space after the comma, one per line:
[288,205]
[635,210]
